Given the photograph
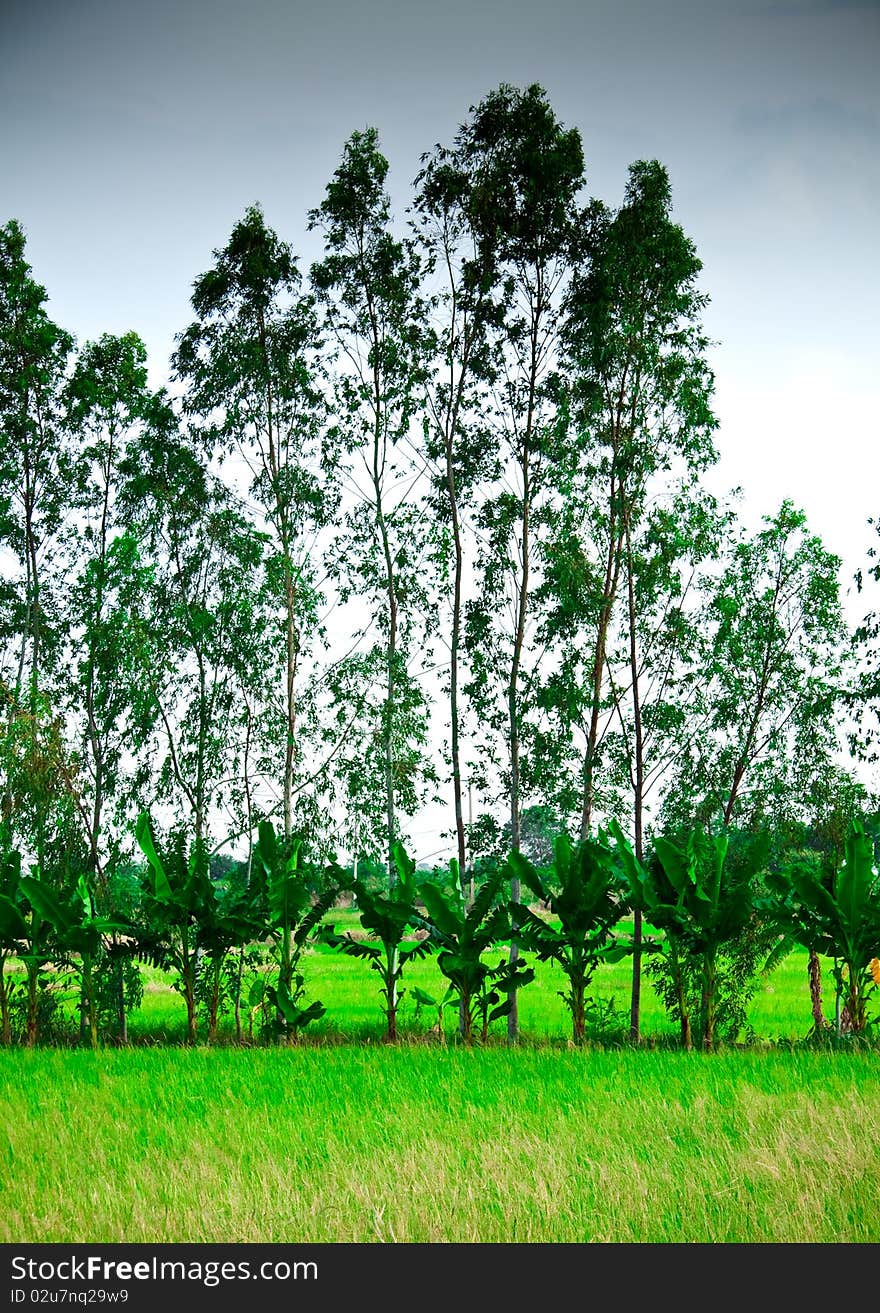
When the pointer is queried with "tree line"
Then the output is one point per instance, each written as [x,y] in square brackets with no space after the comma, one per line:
[723,909]
[426,520]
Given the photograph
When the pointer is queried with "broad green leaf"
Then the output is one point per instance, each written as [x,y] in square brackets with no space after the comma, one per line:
[161,889]
[527,873]
[46,903]
[856,879]
[443,910]
[12,924]
[675,863]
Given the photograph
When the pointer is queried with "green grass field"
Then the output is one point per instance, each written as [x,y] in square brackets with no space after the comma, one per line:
[343,1138]
[366,1143]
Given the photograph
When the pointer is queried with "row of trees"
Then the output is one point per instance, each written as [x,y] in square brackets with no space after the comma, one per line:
[721,915]
[428,521]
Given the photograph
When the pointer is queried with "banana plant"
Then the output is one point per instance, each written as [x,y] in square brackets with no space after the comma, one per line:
[78,936]
[291,913]
[650,892]
[179,899]
[582,890]
[688,892]
[30,918]
[13,923]
[232,922]
[841,921]
[463,934]
[387,917]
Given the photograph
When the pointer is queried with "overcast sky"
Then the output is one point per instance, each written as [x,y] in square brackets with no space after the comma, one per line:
[133,134]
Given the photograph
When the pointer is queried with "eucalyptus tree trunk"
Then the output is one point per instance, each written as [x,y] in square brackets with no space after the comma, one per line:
[638,777]
[121,1011]
[5,1020]
[609,594]
[522,602]
[814,975]
[94,738]
[455,645]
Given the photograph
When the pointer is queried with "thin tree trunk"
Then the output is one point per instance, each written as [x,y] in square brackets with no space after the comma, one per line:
[708,1002]
[681,998]
[214,1001]
[5,1021]
[291,657]
[513,722]
[188,981]
[612,572]
[814,973]
[635,1009]
[389,724]
[32,1014]
[745,755]
[578,1012]
[93,734]
[391,658]
[89,991]
[453,677]
[466,1025]
[237,1013]
[519,642]
[392,961]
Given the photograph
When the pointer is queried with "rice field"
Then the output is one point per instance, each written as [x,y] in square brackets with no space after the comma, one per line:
[344,1138]
[425,1144]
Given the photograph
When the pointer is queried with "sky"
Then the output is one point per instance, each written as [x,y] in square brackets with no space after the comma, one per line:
[133,136]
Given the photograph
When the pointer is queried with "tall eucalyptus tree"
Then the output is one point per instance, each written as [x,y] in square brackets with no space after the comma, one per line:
[35,453]
[107,401]
[35,476]
[526,170]
[203,559]
[640,394]
[459,442]
[368,285]
[254,375]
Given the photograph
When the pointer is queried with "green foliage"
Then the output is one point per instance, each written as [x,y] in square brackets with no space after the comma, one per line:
[79,935]
[47,923]
[118,990]
[704,907]
[387,917]
[582,891]
[40,1017]
[740,966]
[769,680]
[179,900]
[462,935]
[292,914]
[838,917]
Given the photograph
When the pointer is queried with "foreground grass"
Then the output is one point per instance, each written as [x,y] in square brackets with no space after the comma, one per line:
[421,1143]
